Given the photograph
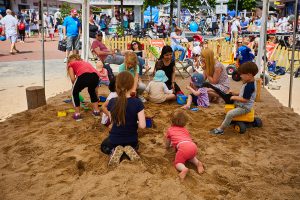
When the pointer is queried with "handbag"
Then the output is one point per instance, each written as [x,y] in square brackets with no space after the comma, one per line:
[62,45]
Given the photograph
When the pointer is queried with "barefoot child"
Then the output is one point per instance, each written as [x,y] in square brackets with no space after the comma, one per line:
[104,80]
[179,137]
[245,99]
[82,75]
[113,94]
[158,90]
[199,94]
[124,112]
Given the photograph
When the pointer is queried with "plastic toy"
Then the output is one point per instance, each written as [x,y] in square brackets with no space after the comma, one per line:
[61,113]
[194,109]
[81,99]
[102,98]
[181,99]
[149,122]
[194,27]
[242,122]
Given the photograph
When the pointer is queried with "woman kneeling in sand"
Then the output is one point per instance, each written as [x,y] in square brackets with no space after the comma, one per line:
[186,150]
[214,72]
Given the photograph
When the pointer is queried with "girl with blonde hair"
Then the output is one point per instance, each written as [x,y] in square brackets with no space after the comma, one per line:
[131,65]
[214,72]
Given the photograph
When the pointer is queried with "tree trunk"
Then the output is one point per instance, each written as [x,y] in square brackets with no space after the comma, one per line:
[171,15]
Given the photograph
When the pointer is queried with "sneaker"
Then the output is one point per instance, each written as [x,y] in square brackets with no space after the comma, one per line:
[77,117]
[142,99]
[217,131]
[96,113]
[131,153]
[115,156]
[65,60]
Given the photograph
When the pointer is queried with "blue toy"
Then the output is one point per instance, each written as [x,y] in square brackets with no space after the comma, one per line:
[2,38]
[194,27]
[181,99]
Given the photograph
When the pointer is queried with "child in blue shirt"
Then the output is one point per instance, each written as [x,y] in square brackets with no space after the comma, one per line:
[244,100]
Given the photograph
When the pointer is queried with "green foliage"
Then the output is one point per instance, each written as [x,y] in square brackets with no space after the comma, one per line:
[65,10]
[120,30]
[154,3]
[242,5]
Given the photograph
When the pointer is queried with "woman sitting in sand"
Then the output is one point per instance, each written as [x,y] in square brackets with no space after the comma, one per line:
[131,65]
[214,72]
[166,64]
[186,150]
[82,75]
[124,112]
[157,89]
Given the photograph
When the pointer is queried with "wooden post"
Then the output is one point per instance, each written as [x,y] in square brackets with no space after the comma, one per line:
[35,97]
[258,90]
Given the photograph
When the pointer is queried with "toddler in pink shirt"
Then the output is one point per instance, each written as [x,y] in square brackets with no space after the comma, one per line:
[103,79]
[186,150]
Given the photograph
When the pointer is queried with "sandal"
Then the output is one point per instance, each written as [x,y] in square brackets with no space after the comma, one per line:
[216,131]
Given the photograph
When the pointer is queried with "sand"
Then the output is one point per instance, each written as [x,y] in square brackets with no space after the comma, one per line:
[46,157]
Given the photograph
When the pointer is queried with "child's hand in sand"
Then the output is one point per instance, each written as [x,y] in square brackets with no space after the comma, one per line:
[186,107]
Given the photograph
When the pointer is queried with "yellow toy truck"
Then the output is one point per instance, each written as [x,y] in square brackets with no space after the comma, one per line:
[242,122]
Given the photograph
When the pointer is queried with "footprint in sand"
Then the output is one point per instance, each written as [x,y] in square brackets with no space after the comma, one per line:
[20,86]
[2,90]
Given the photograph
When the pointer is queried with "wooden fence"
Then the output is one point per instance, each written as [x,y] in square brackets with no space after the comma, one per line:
[223,50]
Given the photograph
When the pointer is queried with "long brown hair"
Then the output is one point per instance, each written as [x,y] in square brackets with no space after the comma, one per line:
[131,61]
[210,62]
[124,83]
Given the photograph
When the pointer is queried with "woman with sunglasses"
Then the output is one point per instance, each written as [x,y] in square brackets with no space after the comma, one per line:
[214,72]
[136,47]
[167,64]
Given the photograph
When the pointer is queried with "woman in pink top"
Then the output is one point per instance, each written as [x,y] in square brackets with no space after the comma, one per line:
[82,75]
[104,80]
[186,150]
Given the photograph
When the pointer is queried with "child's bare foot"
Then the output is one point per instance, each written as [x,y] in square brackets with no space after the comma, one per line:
[186,107]
[183,173]
[200,168]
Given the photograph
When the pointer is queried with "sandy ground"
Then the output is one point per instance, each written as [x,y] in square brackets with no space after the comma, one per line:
[46,157]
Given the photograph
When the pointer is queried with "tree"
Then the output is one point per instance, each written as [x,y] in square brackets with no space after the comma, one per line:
[243,4]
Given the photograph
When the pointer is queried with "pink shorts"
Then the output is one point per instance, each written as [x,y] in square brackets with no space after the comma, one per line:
[185,151]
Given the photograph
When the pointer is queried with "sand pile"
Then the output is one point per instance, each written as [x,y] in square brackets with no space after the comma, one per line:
[46,157]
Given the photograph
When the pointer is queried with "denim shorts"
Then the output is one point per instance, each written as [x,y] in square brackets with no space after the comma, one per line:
[73,43]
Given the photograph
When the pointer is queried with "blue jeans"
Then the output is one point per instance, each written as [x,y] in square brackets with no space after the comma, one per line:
[179,48]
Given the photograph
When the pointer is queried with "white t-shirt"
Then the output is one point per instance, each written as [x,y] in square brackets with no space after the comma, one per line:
[235,25]
[104,116]
[11,24]
[174,41]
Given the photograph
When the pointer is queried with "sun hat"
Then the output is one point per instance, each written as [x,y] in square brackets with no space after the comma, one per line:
[160,76]
[197,79]
[198,38]
[74,11]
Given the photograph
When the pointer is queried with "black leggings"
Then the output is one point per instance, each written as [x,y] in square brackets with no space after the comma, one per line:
[89,80]
[223,95]
[22,35]
[107,147]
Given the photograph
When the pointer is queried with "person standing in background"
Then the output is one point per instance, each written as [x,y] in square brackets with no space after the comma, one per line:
[10,28]
[71,32]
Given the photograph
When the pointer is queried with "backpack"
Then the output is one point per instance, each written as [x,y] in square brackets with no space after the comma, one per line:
[21,26]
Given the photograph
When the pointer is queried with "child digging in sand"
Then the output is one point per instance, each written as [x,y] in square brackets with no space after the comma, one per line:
[158,90]
[82,75]
[186,150]
[124,112]
[198,94]
[245,99]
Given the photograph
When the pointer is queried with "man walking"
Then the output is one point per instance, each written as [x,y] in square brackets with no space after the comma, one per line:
[10,28]
[71,32]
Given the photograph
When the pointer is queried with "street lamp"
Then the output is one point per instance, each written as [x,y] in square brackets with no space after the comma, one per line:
[236,7]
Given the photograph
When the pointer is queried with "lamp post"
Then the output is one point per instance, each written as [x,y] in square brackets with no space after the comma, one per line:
[178,12]
[236,7]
